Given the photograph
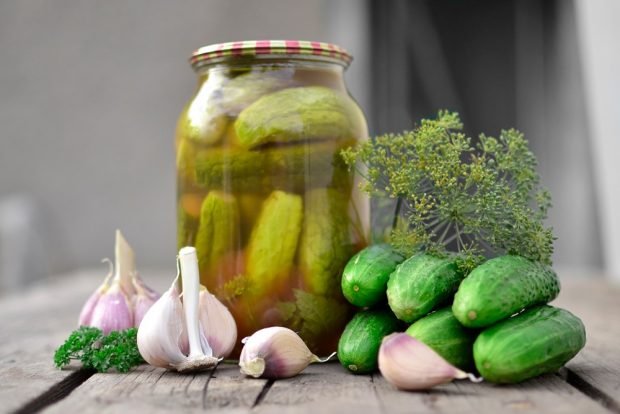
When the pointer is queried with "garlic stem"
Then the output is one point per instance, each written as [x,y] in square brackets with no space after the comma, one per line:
[200,353]
[125,263]
[191,292]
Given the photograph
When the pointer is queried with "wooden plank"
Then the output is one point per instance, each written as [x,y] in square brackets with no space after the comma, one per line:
[547,394]
[154,390]
[33,324]
[330,389]
[325,388]
[597,303]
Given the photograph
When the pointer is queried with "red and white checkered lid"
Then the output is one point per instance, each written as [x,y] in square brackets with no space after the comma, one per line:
[250,48]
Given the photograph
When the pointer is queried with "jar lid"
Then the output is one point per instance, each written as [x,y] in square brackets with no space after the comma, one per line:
[266,48]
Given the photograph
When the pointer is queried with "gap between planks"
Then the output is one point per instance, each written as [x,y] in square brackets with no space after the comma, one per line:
[326,384]
[590,390]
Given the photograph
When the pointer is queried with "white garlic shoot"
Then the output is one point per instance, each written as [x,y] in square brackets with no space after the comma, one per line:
[123,298]
[124,263]
[187,332]
[200,353]
[409,364]
[275,352]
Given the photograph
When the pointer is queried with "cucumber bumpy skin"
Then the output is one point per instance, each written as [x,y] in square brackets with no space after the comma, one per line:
[420,284]
[502,287]
[445,335]
[365,277]
[538,341]
[358,348]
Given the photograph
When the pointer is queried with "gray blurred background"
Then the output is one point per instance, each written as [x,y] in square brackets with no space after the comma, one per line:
[90,91]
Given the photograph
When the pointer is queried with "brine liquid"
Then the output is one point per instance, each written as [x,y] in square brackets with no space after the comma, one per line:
[274,224]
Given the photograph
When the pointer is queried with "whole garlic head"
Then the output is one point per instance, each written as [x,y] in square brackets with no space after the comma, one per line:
[190,331]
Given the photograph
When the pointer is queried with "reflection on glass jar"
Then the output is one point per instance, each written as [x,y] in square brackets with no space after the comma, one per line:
[263,193]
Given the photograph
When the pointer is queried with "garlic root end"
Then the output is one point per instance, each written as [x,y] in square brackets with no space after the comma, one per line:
[254,367]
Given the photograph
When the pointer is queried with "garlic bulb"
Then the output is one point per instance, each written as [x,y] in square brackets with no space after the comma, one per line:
[409,364]
[188,334]
[122,299]
[275,352]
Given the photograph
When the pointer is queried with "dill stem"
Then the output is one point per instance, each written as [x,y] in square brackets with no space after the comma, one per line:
[399,203]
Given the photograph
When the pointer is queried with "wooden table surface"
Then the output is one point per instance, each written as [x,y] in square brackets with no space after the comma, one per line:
[33,324]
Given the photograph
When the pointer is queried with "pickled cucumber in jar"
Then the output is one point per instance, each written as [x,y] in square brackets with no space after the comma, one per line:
[263,192]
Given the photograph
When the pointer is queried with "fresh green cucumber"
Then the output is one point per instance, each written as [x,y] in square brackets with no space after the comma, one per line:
[358,348]
[538,341]
[502,287]
[365,276]
[421,284]
[442,331]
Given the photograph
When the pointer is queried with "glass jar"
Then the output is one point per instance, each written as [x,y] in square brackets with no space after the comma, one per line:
[262,191]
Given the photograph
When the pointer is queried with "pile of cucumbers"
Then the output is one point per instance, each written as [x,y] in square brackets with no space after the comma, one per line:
[495,320]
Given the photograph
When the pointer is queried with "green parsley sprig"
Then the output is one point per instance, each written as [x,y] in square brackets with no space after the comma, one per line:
[478,200]
[118,349]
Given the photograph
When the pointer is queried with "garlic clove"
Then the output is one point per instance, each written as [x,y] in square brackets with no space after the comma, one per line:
[86,314]
[112,312]
[217,324]
[142,301]
[409,364]
[275,352]
[162,338]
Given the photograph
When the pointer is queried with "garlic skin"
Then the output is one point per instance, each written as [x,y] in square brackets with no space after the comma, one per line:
[409,364]
[142,301]
[113,311]
[162,338]
[217,323]
[275,352]
[86,315]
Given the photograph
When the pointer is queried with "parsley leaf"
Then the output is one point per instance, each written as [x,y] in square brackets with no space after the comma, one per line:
[117,350]
[478,200]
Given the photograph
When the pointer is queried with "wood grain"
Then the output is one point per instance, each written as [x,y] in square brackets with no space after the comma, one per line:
[154,390]
[597,303]
[546,394]
[34,324]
